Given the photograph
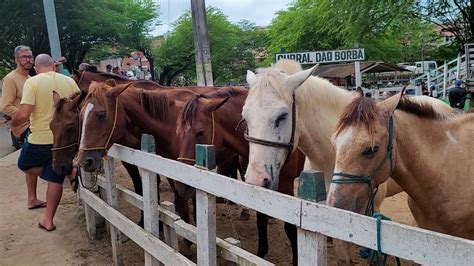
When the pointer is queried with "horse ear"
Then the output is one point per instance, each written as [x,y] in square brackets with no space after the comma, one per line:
[179,104]
[77,98]
[215,104]
[111,82]
[116,91]
[56,98]
[294,81]
[251,78]
[391,103]
[358,93]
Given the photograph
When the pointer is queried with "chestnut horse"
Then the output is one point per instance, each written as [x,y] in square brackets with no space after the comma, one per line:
[427,153]
[214,118]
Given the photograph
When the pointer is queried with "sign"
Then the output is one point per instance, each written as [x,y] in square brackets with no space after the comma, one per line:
[324,57]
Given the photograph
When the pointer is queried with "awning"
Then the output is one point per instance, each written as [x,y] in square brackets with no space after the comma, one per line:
[347,70]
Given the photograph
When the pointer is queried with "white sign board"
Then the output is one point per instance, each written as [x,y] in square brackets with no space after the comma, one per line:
[324,57]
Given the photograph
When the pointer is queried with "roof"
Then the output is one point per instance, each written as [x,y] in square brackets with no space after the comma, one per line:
[346,70]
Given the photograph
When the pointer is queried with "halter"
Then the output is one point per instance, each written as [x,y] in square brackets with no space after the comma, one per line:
[290,145]
[351,179]
[104,148]
[184,159]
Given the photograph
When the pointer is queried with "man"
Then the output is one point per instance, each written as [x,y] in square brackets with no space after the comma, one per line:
[457,95]
[37,104]
[12,93]
[13,88]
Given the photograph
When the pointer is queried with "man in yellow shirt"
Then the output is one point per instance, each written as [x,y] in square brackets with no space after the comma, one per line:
[11,96]
[37,105]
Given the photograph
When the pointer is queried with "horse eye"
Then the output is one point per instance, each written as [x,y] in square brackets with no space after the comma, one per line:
[200,134]
[279,119]
[370,151]
[101,115]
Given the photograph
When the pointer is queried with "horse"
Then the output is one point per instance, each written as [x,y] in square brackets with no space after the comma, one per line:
[214,118]
[429,154]
[298,110]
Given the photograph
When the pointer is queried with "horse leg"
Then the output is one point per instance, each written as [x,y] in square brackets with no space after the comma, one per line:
[262,223]
[291,233]
[137,184]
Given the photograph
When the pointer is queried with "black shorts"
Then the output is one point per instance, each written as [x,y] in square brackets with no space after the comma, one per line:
[39,155]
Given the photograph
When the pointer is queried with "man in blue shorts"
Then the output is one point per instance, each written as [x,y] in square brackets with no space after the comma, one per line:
[37,105]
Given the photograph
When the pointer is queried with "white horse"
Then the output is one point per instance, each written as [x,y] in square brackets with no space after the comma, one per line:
[301,110]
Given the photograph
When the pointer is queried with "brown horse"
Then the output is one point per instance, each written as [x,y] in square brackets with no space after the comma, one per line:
[106,119]
[214,118]
[427,153]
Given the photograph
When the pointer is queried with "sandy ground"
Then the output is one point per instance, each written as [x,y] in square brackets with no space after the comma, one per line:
[22,243]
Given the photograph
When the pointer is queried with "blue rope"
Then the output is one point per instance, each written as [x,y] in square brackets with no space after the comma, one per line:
[373,256]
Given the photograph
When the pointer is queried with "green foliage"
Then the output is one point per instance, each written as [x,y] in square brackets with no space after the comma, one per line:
[82,25]
[233,49]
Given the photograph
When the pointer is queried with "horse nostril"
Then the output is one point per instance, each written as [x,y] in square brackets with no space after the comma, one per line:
[266,182]
[89,162]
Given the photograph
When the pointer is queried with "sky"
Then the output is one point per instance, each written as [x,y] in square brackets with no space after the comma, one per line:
[261,12]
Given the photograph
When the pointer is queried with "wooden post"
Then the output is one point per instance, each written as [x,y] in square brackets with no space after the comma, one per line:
[170,233]
[311,245]
[201,44]
[206,212]
[88,211]
[150,209]
[445,79]
[112,200]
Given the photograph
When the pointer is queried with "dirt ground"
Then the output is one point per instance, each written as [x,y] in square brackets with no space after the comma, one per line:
[22,243]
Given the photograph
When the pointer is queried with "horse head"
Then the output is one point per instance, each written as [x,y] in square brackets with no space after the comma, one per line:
[103,123]
[363,141]
[270,113]
[65,128]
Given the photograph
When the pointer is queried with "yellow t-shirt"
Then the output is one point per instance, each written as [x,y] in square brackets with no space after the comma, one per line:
[38,91]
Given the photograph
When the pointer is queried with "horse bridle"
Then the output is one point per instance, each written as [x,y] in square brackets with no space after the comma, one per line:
[367,179]
[290,145]
[104,148]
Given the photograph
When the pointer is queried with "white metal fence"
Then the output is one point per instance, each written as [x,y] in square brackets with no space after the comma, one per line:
[314,221]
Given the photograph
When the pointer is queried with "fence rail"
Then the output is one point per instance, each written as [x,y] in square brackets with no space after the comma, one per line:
[419,245]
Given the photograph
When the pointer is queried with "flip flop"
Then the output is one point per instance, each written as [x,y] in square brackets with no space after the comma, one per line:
[41,205]
[46,229]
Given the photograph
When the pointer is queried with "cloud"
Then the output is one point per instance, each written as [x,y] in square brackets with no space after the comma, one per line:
[261,12]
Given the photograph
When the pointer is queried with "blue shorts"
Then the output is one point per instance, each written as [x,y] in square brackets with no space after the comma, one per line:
[39,155]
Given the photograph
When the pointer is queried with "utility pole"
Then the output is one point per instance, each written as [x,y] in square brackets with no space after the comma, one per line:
[52,25]
[201,43]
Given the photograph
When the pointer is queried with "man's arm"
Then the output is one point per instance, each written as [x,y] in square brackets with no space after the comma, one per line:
[21,117]
[8,98]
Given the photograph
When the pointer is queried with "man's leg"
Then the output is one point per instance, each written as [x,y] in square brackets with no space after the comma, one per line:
[53,197]
[31,177]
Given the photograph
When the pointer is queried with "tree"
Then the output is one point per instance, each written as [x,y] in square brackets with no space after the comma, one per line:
[81,25]
[456,16]
[233,49]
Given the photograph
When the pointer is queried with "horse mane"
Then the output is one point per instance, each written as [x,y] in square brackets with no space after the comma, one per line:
[188,115]
[156,103]
[363,110]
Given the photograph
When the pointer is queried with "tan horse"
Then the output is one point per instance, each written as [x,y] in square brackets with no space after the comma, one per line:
[281,97]
[430,157]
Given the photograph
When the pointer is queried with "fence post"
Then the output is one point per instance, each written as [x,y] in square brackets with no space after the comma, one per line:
[206,211]
[311,245]
[171,239]
[150,197]
[112,200]
[88,211]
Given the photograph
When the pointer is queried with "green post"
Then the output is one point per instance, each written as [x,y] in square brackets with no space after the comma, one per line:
[311,186]
[148,143]
[206,156]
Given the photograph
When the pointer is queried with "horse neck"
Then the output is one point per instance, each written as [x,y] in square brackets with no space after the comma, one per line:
[319,105]
[443,162]
[162,131]
[228,117]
